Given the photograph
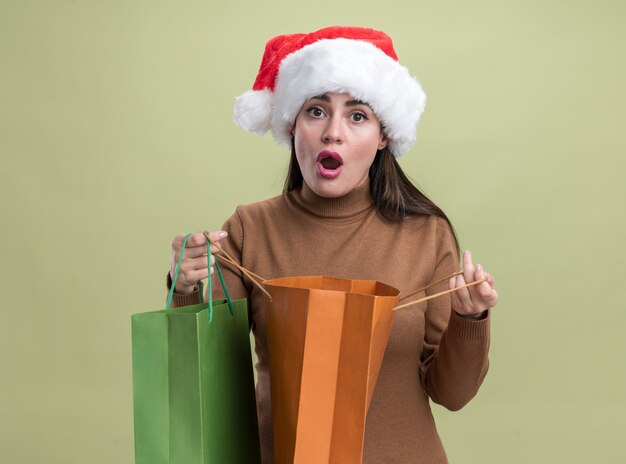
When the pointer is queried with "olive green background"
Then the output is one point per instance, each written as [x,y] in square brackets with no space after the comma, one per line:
[116,135]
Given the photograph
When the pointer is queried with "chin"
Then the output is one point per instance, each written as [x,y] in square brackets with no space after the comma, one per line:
[331,190]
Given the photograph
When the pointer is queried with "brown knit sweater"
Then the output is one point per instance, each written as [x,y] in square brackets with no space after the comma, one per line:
[432,352]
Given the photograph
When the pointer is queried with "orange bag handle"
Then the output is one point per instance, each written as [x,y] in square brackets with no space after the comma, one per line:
[258,280]
[430,297]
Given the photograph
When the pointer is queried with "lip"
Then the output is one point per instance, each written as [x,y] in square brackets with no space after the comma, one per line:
[329,173]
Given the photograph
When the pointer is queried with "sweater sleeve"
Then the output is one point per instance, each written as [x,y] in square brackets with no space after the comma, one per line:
[455,353]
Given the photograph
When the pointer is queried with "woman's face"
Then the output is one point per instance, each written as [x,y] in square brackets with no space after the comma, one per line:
[336,138]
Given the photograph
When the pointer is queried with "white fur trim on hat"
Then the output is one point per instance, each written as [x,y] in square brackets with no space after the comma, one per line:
[253,111]
[337,65]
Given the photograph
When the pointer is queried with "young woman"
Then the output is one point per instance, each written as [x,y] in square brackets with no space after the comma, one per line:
[340,99]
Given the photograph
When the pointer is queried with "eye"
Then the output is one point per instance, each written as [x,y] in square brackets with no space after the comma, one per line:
[315,111]
[358,116]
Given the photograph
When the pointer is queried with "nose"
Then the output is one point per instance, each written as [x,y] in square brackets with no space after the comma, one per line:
[333,131]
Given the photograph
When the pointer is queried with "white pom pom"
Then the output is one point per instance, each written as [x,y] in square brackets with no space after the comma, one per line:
[253,111]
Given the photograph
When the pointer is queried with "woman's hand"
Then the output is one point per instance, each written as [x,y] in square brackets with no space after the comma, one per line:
[194,265]
[472,302]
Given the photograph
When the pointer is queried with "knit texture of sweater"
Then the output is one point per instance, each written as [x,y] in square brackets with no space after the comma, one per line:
[432,352]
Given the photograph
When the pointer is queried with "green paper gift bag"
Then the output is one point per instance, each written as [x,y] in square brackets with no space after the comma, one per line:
[193,385]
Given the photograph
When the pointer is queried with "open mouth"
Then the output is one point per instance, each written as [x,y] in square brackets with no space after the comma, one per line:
[329,164]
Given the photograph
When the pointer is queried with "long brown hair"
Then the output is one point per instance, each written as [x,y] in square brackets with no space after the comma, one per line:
[394,195]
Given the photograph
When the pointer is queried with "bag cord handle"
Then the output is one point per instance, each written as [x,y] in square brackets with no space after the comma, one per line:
[254,278]
[436,295]
[170,295]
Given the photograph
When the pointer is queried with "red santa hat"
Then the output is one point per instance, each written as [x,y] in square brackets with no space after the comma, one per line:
[353,60]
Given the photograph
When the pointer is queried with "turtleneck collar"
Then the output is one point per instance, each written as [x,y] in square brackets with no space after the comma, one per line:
[350,205]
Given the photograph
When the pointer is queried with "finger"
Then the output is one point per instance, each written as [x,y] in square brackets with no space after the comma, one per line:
[194,264]
[475,292]
[188,267]
[190,252]
[196,239]
[487,297]
[470,301]
[491,299]
[194,252]
[456,303]
[485,291]
[191,277]
[216,236]
[490,279]
[192,241]
[196,243]
[190,270]
[468,267]
[479,272]
[463,295]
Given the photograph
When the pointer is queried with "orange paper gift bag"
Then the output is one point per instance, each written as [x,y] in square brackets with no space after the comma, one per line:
[326,341]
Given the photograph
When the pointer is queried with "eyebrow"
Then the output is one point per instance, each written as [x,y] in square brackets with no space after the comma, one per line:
[356,102]
[323,97]
[326,98]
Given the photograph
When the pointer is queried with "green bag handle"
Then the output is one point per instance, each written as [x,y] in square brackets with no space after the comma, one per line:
[210,287]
